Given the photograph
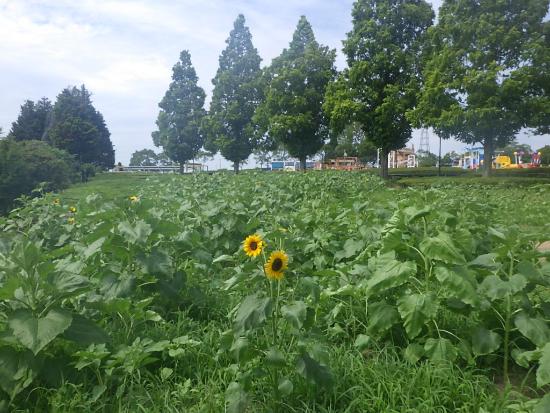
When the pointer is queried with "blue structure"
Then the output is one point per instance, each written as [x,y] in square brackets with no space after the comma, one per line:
[473,158]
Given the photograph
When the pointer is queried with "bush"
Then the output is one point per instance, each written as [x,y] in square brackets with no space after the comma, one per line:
[28,164]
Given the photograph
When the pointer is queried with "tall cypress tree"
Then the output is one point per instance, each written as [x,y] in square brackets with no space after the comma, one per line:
[382,80]
[487,76]
[32,121]
[77,127]
[292,114]
[235,97]
[182,112]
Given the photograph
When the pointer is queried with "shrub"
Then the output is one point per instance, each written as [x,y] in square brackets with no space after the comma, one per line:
[28,164]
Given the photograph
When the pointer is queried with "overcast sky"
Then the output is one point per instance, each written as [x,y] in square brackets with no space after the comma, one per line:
[123,51]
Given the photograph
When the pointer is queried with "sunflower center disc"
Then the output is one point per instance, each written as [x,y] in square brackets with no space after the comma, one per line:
[253,245]
[277,264]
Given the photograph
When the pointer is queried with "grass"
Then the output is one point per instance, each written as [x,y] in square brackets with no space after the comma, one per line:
[110,185]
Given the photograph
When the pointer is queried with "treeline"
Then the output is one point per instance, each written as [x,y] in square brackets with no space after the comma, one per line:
[480,75]
[52,145]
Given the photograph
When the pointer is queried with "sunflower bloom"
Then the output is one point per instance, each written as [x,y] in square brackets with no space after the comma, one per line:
[56,201]
[133,198]
[253,245]
[72,209]
[71,221]
[276,265]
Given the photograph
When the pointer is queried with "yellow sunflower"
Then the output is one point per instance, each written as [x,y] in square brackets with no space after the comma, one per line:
[276,265]
[133,198]
[71,221]
[56,201]
[253,245]
[72,209]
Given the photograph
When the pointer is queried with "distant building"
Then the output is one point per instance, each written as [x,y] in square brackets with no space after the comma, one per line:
[402,158]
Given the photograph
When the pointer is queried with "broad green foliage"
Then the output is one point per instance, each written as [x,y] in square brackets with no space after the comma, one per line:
[153,290]
[486,75]
[235,97]
[179,121]
[291,114]
[382,80]
[144,157]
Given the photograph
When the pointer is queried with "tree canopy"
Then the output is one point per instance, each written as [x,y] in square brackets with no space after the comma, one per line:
[182,113]
[78,128]
[32,122]
[235,97]
[144,157]
[382,80]
[487,74]
[292,113]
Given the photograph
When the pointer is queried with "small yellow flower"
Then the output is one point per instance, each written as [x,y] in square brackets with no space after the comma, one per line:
[56,201]
[72,209]
[71,221]
[253,245]
[133,198]
[276,265]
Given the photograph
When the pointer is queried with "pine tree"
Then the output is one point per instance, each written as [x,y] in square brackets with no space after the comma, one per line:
[292,114]
[32,121]
[235,97]
[77,127]
[182,112]
[382,80]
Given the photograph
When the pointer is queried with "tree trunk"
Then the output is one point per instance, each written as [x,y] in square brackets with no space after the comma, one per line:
[303,164]
[236,167]
[488,157]
[384,164]
[181,168]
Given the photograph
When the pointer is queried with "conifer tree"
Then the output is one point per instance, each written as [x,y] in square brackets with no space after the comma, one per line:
[32,121]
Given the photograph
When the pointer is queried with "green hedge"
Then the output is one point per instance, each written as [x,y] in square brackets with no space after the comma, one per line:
[26,165]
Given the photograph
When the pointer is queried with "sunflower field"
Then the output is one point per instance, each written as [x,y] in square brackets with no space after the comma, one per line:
[268,292]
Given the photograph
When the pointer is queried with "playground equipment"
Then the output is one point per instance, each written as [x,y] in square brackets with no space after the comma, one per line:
[504,161]
[472,158]
[344,163]
[402,158]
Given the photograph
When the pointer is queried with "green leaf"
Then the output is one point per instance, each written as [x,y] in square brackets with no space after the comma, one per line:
[485,341]
[223,258]
[442,248]
[17,370]
[313,371]
[440,349]
[486,261]
[459,284]
[351,248]
[236,398]
[156,262]
[295,313]
[135,234]
[240,349]
[413,213]
[252,312]
[535,329]
[495,288]
[523,358]
[543,372]
[93,248]
[35,333]
[543,406]
[275,357]
[85,332]
[388,273]
[414,352]
[416,310]
[285,386]
[361,342]
[381,317]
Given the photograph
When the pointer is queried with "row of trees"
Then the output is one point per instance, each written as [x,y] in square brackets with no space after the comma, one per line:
[71,124]
[480,75]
